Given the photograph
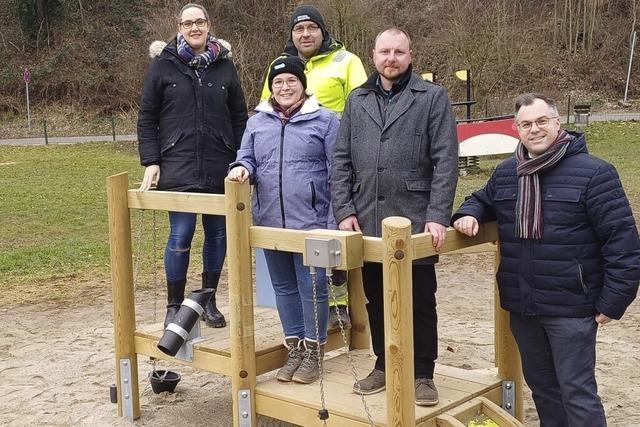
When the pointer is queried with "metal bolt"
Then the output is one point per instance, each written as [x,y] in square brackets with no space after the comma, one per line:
[399,254]
[244,394]
[125,363]
[508,386]
[240,206]
[508,406]
[244,374]
[316,252]
[126,396]
[245,414]
[125,381]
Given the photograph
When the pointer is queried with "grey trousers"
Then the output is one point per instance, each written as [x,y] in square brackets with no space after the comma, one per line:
[558,360]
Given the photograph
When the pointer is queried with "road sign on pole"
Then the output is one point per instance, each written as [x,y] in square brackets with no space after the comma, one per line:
[26,76]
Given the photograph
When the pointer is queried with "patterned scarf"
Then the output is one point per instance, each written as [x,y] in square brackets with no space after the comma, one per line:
[286,114]
[529,203]
[198,61]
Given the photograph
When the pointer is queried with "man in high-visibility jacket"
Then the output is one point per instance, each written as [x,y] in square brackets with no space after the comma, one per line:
[332,73]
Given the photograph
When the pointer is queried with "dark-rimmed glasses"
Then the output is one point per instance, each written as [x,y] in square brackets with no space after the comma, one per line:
[187,25]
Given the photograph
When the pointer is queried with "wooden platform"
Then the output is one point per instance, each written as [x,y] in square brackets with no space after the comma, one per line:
[299,404]
[214,353]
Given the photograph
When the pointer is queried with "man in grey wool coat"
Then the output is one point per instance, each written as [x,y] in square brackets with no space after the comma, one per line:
[397,155]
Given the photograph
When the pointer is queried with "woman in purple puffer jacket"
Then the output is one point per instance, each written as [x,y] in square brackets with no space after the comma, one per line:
[286,153]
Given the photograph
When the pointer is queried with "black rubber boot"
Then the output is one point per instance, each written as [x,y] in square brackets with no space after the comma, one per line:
[212,316]
[175,296]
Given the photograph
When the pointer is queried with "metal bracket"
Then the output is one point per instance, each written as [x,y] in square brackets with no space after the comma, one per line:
[125,389]
[509,397]
[185,352]
[322,252]
[244,408]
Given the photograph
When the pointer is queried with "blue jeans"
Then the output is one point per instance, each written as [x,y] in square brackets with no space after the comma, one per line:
[558,361]
[293,287]
[176,254]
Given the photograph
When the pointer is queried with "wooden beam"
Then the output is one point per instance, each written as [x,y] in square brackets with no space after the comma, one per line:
[294,241]
[124,316]
[507,355]
[202,203]
[243,347]
[360,334]
[203,358]
[398,321]
[422,243]
[423,247]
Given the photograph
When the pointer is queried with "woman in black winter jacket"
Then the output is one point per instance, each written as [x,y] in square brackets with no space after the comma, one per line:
[191,120]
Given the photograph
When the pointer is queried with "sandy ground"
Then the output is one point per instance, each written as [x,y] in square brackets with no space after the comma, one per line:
[56,362]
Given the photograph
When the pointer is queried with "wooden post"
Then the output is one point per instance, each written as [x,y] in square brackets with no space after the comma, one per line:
[124,317]
[398,321]
[360,335]
[243,352]
[507,355]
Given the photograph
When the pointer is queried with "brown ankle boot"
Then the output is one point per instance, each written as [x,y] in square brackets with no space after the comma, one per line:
[294,344]
[309,370]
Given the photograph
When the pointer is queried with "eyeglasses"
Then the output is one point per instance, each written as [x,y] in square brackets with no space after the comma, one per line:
[311,28]
[292,82]
[542,123]
[198,22]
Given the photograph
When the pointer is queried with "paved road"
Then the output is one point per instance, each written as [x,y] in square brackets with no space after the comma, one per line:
[594,117]
[68,140]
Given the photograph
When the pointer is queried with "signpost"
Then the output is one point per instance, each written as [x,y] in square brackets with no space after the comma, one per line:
[26,76]
[633,47]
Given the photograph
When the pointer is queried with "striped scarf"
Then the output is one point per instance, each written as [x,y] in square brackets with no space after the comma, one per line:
[195,61]
[529,203]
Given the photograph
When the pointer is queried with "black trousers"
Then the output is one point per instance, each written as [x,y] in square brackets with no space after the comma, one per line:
[425,318]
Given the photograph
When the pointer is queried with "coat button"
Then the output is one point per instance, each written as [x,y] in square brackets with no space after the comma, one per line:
[173,85]
[381,198]
[380,169]
[209,84]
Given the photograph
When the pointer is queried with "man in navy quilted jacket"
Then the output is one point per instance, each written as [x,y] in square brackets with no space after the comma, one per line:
[570,258]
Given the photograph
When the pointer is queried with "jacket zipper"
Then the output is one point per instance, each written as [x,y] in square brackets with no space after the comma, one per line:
[280,175]
[313,196]
[585,289]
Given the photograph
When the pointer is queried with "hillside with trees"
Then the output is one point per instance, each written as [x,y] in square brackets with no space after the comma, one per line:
[92,55]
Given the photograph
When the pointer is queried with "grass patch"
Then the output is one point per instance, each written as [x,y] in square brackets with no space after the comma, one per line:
[53,211]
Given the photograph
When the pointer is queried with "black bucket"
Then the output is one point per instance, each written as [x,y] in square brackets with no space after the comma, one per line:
[164,381]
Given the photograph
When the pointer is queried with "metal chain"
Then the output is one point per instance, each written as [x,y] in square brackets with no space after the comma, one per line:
[314,286]
[138,262]
[154,234]
[334,300]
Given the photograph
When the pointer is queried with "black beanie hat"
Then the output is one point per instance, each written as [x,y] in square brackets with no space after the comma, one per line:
[307,13]
[287,64]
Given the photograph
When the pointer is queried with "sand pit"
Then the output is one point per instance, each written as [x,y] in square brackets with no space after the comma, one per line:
[57,363]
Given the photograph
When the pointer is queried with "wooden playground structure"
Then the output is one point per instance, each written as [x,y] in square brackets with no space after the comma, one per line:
[243,353]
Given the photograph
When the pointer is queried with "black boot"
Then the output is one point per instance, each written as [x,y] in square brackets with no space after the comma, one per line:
[212,315]
[175,296]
